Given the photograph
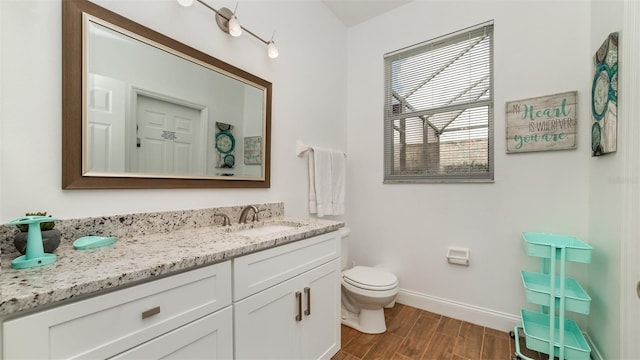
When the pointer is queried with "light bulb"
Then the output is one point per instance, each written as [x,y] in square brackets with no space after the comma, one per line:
[272,50]
[234,27]
[185,3]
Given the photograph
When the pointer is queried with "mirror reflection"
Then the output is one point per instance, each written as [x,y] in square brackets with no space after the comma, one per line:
[154,112]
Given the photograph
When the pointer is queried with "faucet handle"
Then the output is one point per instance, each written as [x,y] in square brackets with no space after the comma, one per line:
[256,216]
[225,219]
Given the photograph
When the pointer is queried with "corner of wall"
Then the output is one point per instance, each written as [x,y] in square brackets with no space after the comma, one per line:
[606,186]
[1,122]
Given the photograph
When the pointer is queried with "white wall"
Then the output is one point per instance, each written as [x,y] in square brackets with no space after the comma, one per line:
[541,48]
[309,100]
[605,199]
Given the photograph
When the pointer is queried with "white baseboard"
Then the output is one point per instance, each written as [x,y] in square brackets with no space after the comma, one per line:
[595,354]
[457,310]
[470,313]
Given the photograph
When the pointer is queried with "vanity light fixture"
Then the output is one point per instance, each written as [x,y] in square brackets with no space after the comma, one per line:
[228,22]
[272,50]
[185,3]
[233,25]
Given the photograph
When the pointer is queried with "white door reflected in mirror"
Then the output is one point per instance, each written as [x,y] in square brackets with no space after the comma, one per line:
[171,138]
[106,130]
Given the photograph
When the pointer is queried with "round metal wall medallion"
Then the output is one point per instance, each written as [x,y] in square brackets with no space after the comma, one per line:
[223,23]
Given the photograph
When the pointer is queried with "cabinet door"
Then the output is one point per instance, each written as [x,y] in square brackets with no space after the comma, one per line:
[265,324]
[208,338]
[320,338]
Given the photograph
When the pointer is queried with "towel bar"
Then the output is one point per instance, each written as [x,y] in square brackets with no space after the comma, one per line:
[301,148]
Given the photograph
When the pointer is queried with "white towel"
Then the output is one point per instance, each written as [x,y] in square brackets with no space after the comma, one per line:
[326,182]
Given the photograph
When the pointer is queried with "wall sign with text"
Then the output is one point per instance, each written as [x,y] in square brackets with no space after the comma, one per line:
[543,123]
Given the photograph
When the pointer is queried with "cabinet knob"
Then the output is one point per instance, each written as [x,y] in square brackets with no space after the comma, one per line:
[299,300]
[151,312]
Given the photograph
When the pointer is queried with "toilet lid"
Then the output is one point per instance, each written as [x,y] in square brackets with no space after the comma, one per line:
[370,278]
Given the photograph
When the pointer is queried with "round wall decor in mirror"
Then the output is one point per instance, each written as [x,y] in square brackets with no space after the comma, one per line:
[225,142]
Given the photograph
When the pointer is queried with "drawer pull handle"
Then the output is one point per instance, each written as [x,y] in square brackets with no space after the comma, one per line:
[299,300]
[307,293]
[151,312]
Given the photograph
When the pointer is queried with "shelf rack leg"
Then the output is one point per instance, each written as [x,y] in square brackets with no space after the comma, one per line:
[516,331]
[557,293]
[561,311]
[552,303]
[544,269]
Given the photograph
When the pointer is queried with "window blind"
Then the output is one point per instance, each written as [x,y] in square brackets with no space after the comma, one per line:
[439,109]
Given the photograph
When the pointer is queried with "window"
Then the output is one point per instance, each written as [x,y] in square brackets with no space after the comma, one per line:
[438,121]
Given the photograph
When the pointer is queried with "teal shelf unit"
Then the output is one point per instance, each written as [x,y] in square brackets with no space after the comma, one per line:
[550,331]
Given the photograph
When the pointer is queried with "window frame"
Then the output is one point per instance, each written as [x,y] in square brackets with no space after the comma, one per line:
[390,116]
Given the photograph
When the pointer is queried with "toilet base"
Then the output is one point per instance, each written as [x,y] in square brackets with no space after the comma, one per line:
[368,321]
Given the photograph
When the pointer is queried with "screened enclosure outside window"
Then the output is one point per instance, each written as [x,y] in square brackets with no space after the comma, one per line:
[438,121]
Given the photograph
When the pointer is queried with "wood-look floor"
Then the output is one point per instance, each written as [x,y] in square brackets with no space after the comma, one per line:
[417,334]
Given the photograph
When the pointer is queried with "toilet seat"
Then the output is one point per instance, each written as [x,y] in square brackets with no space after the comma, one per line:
[369,278]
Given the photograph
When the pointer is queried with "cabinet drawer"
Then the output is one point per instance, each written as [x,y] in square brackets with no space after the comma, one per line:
[208,338]
[258,271]
[108,324]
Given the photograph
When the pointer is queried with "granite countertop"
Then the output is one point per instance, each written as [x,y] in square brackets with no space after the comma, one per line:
[134,258]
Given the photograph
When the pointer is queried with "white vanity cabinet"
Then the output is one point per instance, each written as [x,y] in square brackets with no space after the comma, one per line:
[188,315]
[278,303]
[287,301]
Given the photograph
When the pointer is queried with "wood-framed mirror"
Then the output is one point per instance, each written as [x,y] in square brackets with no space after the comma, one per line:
[141,110]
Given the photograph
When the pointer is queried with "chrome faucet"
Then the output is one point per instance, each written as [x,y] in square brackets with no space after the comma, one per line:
[245,213]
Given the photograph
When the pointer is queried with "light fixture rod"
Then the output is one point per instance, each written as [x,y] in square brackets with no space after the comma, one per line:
[212,9]
[255,36]
[226,18]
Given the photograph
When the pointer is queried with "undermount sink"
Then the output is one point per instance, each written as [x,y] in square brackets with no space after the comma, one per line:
[266,229]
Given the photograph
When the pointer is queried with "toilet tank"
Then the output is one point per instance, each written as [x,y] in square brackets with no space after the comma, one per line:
[344,236]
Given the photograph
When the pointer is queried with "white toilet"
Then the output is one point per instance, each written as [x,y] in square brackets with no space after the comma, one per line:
[365,292]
